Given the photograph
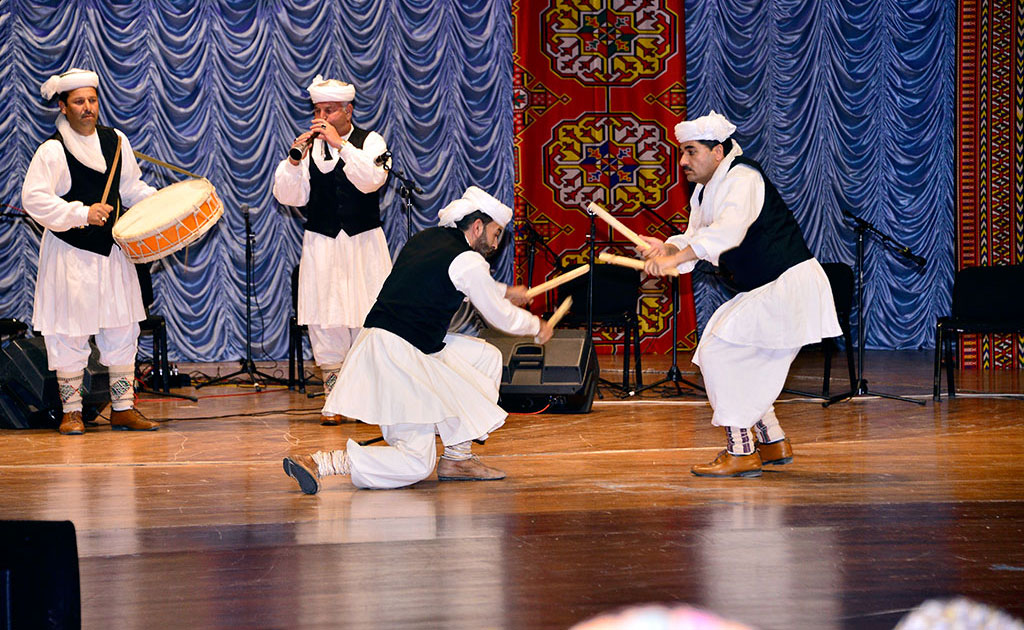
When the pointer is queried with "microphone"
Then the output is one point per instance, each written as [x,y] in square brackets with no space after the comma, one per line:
[382,159]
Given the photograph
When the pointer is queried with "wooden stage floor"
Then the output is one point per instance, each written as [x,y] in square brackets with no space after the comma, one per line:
[887,504]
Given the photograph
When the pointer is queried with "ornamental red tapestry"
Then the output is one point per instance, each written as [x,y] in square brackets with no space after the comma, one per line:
[598,86]
[990,171]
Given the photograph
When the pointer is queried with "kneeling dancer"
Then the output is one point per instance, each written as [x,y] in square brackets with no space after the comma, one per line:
[411,377]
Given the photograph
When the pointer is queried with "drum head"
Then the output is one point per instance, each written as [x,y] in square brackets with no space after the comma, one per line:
[164,207]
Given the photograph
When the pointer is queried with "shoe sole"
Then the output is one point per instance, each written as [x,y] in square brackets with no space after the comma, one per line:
[121,427]
[778,462]
[307,482]
[748,473]
[71,432]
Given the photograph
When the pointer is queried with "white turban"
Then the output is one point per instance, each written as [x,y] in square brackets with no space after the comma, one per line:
[711,127]
[323,90]
[474,199]
[71,80]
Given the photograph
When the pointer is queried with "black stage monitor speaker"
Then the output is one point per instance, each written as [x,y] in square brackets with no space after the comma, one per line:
[39,585]
[560,375]
[28,390]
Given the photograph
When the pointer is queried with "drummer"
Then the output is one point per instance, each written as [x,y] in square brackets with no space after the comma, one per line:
[85,286]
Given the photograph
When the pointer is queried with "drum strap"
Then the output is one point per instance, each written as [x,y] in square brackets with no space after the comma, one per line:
[110,178]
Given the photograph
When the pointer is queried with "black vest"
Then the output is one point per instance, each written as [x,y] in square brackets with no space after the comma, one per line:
[772,245]
[418,299]
[87,186]
[335,204]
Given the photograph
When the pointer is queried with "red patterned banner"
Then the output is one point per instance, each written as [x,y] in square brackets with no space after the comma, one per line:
[991,167]
[598,87]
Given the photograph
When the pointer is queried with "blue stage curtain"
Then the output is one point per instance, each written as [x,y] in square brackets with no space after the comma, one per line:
[218,87]
[849,105]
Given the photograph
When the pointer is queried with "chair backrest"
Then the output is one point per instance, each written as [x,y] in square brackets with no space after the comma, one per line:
[616,290]
[992,295]
[840,277]
[295,289]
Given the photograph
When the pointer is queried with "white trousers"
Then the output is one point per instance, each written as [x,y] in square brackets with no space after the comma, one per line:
[742,382]
[331,345]
[411,451]
[410,456]
[68,353]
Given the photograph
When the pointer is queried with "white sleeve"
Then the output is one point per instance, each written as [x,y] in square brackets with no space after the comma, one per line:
[682,241]
[132,188]
[359,166]
[46,179]
[737,204]
[291,182]
[471,274]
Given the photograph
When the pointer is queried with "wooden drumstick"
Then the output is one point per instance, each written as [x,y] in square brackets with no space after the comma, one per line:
[559,313]
[617,225]
[113,169]
[632,263]
[557,281]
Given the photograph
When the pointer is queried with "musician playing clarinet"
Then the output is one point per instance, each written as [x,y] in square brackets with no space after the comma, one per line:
[75,187]
[335,171]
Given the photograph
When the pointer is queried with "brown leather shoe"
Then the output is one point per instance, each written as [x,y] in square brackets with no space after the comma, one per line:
[304,470]
[471,469]
[775,453]
[331,421]
[729,465]
[131,420]
[71,424]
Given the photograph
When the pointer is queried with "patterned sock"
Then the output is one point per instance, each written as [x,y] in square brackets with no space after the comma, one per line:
[767,429]
[459,452]
[69,387]
[332,462]
[330,376]
[741,441]
[122,387]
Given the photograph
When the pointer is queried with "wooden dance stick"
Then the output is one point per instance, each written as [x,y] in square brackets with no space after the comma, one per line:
[632,263]
[559,313]
[556,281]
[617,225]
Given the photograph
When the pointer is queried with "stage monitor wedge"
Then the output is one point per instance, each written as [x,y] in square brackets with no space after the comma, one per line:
[557,377]
[28,388]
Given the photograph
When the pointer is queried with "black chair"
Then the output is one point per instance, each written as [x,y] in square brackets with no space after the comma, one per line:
[156,326]
[616,292]
[11,328]
[296,369]
[840,277]
[986,300]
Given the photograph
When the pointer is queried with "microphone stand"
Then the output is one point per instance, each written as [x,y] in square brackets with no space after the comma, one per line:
[861,227]
[248,366]
[533,238]
[406,190]
[674,374]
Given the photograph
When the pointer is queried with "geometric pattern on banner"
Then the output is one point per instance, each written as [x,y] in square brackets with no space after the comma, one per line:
[990,170]
[616,160]
[596,94]
[608,45]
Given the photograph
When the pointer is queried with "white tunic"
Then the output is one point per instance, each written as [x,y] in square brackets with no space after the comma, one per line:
[79,292]
[386,380]
[339,278]
[793,310]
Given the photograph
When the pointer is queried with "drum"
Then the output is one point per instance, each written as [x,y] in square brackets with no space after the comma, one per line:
[172,218]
